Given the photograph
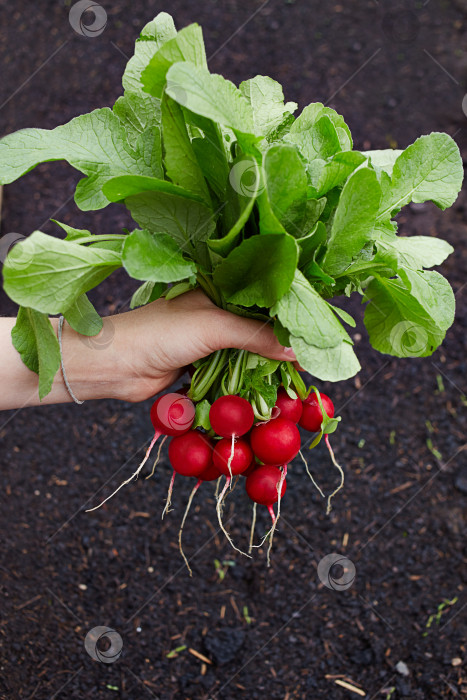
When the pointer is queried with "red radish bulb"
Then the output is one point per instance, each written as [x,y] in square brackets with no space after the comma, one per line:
[312,416]
[172,414]
[240,457]
[190,454]
[262,485]
[231,415]
[289,408]
[211,473]
[254,465]
[275,442]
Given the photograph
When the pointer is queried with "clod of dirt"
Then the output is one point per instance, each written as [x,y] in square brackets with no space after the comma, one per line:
[224,644]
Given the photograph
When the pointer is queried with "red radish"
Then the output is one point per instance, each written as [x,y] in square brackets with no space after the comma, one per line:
[289,408]
[275,442]
[231,416]
[232,461]
[262,485]
[312,416]
[211,473]
[190,454]
[254,465]
[171,414]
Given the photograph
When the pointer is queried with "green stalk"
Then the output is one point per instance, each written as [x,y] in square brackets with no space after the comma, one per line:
[206,374]
[209,289]
[100,238]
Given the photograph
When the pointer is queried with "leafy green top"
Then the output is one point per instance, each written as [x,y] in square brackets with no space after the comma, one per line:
[270,214]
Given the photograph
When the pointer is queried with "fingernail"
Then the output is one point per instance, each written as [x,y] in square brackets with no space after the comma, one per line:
[290,353]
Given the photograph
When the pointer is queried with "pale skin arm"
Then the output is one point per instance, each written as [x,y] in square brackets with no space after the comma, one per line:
[137,354]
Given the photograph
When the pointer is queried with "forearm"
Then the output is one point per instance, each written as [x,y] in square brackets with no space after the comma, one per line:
[94,370]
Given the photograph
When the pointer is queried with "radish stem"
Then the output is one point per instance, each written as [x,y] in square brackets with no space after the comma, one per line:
[276,518]
[252,529]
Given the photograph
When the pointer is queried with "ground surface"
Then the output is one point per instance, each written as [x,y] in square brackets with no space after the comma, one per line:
[400,520]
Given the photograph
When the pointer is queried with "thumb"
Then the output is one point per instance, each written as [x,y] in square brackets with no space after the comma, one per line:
[233,331]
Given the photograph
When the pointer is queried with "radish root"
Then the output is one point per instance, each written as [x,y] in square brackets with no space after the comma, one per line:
[276,518]
[310,474]
[156,462]
[231,456]
[341,472]
[188,506]
[220,501]
[135,475]
[252,529]
[169,495]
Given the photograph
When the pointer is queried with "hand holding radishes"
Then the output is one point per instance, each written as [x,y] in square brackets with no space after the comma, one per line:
[200,165]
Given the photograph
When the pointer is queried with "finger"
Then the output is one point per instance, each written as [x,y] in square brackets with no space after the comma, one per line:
[233,331]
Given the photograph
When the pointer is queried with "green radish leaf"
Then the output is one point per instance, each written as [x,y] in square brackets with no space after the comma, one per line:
[263,365]
[417,252]
[123,186]
[267,101]
[383,161]
[347,318]
[210,153]
[73,234]
[180,161]
[245,181]
[328,364]
[353,221]
[202,409]
[180,288]
[187,45]
[325,175]
[156,33]
[286,184]
[307,315]
[429,170]
[408,316]
[258,271]
[34,338]
[214,97]
[83,317]
[93,143]
[188,222]
[137,112]
[313,272]
[320,140]
[155,257]
[147,292]
[311,115]
[309,244]
[49,274]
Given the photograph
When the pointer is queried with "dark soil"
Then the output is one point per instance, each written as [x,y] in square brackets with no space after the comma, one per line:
[278,632]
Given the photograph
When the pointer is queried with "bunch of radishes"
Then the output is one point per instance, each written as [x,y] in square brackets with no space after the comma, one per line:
[237,446]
